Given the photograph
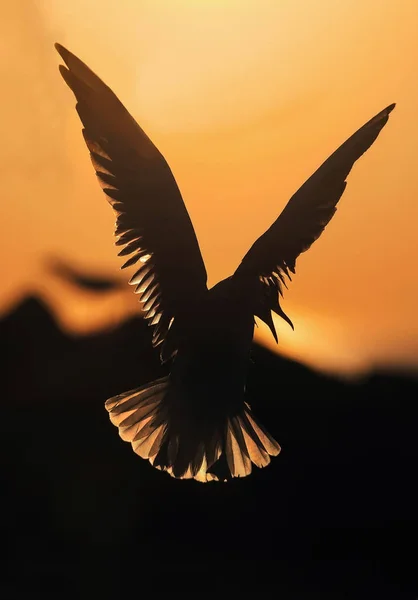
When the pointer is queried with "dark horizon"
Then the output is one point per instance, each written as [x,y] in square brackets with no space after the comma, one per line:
[335,512]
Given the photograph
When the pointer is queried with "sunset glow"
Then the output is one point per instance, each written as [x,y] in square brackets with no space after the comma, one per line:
[244,99]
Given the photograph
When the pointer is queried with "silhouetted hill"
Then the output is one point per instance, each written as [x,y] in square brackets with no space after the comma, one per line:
[335,512]
[45,364]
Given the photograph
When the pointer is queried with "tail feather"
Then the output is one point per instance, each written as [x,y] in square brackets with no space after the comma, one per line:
[237,457]
[259,433]
[258,455]
[148,446]
[127,400]
[185,444]
[213,450]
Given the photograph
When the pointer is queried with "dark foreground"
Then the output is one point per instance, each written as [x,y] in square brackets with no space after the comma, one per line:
[335,515]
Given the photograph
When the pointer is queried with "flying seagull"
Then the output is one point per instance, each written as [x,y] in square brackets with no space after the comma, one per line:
[197,417]
[81,280]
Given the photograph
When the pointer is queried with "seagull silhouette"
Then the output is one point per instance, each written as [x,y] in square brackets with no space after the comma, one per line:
[79,279]
[196,423]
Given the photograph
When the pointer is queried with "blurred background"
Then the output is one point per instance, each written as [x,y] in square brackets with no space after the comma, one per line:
[245,99]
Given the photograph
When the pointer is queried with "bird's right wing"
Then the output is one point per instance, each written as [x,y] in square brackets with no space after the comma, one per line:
[273,255]
[152,224]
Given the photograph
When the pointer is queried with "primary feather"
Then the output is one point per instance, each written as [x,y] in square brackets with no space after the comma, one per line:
[143,192]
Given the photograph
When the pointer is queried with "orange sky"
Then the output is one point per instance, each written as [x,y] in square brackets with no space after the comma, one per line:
[245,99]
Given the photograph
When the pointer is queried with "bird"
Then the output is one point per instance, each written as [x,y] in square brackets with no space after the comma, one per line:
[196,422]
[84,281]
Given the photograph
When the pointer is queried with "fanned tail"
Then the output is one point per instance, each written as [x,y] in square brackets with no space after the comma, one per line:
[189,444]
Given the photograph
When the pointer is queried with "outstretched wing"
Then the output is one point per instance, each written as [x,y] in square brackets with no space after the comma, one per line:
[302,221]
[152,225]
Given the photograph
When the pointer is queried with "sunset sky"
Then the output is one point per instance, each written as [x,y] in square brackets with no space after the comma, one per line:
[245,99]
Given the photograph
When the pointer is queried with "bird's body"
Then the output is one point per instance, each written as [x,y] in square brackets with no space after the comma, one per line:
[223,317]
[196,422]
[214,354]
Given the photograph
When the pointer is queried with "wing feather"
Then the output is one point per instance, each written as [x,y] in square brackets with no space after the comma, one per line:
[273,256]
[152,223]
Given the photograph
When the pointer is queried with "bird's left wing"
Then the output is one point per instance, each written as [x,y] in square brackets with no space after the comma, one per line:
[152,225]
[265,266]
